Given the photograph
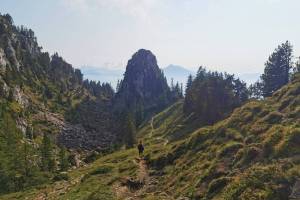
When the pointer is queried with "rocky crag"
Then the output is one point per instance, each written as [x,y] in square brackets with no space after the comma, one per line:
[144,89]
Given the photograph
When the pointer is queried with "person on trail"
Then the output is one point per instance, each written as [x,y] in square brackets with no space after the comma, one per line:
[140,148]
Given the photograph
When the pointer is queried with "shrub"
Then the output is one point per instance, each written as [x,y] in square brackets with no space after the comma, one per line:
[101,170]
[61,176]
[91,157]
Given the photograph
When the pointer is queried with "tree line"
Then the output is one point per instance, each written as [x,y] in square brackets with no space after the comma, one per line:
[210,96]
[278,71]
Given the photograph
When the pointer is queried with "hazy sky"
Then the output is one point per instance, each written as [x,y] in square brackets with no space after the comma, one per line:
[227,35]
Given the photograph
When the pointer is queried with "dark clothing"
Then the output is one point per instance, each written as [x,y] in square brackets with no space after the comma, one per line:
[141,149]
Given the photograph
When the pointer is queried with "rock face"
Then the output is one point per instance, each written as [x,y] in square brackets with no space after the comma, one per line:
[11,54]
[144,89]
[49,95]
[19,97]
[3,61]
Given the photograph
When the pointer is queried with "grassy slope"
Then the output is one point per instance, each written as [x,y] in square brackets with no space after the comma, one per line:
[253,154]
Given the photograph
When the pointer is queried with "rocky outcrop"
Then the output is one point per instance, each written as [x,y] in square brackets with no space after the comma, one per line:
[11,55]
[20,97]
[144,89]
[4,89]
[3,61]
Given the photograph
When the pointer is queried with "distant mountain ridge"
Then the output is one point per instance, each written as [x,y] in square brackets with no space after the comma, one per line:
[104,74]
[177,73]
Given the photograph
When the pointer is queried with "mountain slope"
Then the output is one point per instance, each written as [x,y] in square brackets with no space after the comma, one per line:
[253,154]
[44,85]
[40,96]
[50,116]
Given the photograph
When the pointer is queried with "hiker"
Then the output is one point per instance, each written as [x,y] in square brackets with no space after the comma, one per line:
[140,148]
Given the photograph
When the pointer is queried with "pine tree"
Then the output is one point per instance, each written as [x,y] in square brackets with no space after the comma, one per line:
[48,162]
[188,95]
[129,131]
[297,66]
[118,86]
[240,90]
[277,69]
[13,168]
[26,158]
[177,91]
[63,159]
[181,90]
[255,90]
[189,83]
[29,132]
[172,84]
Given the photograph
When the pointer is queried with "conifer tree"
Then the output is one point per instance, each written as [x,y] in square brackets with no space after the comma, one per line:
[297,66]
[118,86]
[63,159]
[255,90]
[181,90]
[277,69]
[212,95]
[172,84]
[129,130]
[188,95]
[48,162]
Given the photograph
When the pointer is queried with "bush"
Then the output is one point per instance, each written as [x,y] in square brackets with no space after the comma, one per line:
[92,157]
[61,176]
[101,170]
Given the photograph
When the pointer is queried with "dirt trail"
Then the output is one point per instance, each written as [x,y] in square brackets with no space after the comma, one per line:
[134,189]
[143,175]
